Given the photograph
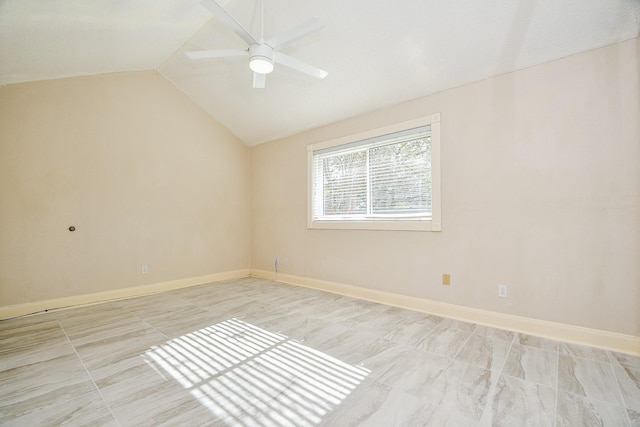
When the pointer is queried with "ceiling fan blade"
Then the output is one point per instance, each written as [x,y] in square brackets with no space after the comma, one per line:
[220,53]
[296,33]
[298,65]
[259,80]
[229,21]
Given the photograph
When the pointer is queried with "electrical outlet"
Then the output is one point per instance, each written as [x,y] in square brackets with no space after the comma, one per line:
[285,262]
[446,279]
[144,269]
[502,291]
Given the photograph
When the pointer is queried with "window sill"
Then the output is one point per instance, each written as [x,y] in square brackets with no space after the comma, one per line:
[390,225]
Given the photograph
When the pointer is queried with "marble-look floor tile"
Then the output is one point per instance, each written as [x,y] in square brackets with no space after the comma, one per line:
[316,381]
[517,402]
[249,390]
[196,292]
[624,359]
[301,328]
[32,387]
[347,345]
[413,372]
[22,356]
[17,333]
[167,404]
[236,412]
[532,364]
[212,294]
[254,312]
[120,380]
[384,360]
[104,352]
[405,313]
[448,417]
[592,379]
[295,384]
[20,322]
[373,349]
[377,321]
[317,331]
[380,405]
[113,307]
[340,311]
[458,324]
[219,346]
[278,321]
[107,310]
[154,305]
[488,331]
[538,342]
[319,307]
[264,312]
[484,352]
[204,295]
[289,299]
[84,331]
[298,406]
[462,389]
[41,378]
[445,341]
[574,410]
[361,304]
[577,350]
[411,331]
[629,380]
[253,352]
[43,396]
[247,387]
[265,399]
[87,409]
[236,306]
[181,321]
[77,320]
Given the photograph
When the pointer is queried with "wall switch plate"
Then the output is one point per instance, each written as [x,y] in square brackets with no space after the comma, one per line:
[144,269]
[446,279]
[502,291]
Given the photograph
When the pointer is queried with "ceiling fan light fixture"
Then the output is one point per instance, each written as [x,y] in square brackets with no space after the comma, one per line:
[261,58]
[260,64]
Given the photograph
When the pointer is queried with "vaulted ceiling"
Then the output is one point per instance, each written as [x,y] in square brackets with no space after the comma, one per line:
[377,53]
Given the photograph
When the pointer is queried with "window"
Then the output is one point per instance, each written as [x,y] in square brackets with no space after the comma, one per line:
[384,179]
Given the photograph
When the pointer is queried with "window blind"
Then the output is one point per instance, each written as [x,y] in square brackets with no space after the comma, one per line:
[388,176]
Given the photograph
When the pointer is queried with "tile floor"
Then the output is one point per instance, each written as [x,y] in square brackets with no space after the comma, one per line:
[252,352]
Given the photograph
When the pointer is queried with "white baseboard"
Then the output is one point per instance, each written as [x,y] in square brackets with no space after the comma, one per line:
[10,311]
[558,331]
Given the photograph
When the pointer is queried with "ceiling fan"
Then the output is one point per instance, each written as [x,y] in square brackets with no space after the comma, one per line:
[262,54]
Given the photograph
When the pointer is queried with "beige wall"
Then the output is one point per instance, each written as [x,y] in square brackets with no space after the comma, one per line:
[145,176]
[540,180]
[540,191]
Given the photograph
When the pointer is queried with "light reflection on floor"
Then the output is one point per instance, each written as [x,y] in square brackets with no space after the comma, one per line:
[256,377]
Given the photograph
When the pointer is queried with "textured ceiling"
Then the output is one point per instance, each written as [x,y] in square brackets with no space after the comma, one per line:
[377,53]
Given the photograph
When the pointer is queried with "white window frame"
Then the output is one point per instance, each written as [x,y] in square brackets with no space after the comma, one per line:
[409,224]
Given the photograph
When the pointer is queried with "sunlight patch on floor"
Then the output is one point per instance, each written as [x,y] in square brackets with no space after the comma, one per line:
[246,373]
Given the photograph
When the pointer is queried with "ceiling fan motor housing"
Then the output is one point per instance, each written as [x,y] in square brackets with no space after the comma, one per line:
[261,58]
